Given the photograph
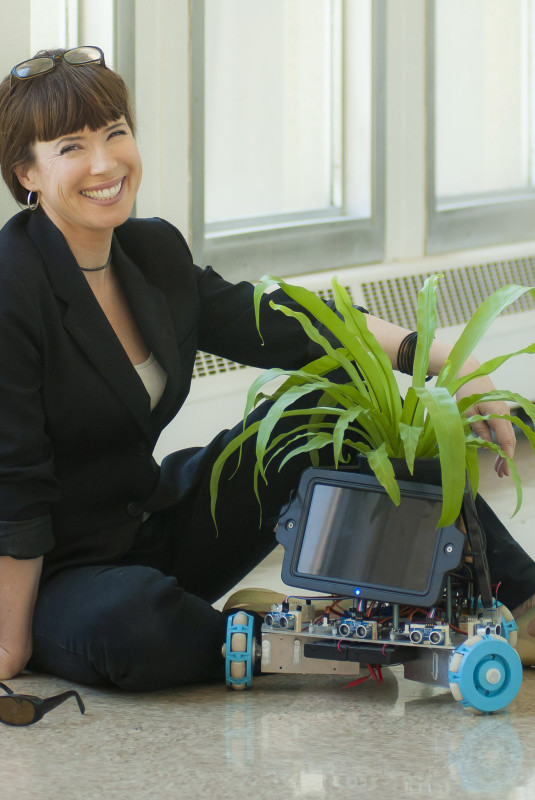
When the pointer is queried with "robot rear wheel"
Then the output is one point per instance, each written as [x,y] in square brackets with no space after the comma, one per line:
[485,674]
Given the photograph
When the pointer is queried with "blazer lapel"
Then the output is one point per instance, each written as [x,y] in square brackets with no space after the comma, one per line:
[153,317]
[89,327]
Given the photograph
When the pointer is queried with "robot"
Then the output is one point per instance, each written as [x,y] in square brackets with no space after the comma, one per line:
[396,589]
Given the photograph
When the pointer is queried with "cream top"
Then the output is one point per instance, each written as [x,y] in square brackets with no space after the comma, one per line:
[154,378]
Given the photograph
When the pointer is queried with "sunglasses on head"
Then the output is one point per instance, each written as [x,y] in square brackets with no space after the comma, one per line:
[40,65]
[25,709]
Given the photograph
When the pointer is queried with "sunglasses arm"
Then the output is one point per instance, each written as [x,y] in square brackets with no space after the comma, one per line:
[51,702]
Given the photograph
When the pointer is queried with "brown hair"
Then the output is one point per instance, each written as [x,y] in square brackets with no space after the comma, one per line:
[61,102]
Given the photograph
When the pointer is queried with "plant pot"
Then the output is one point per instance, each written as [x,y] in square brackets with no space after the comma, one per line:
[426,470]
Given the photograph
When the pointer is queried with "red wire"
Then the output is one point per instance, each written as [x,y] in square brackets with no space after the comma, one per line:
[377,676]
[496,597]
[464,633]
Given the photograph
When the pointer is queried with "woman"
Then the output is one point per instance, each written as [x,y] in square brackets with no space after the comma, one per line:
[109,564]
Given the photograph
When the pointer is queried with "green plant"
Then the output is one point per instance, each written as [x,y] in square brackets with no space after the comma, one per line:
[364,411]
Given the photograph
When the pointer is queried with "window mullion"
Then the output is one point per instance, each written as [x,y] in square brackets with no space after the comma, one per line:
[336,86]
[406,130]
[72,23]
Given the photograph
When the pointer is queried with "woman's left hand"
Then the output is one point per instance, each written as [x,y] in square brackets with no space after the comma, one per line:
[503,431]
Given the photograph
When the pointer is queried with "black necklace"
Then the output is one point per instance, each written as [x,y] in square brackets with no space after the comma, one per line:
[97,269]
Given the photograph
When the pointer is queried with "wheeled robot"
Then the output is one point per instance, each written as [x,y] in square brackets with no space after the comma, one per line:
[396,589]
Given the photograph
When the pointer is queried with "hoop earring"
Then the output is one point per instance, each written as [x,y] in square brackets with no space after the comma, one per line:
[35,204]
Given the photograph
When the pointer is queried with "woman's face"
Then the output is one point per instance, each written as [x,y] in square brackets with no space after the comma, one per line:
[87,181]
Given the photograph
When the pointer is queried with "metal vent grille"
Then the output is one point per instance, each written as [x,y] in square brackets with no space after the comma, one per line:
[328,293]
[460,292]
[206,364]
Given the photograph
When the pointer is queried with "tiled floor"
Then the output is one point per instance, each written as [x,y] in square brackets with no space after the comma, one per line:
[289,737]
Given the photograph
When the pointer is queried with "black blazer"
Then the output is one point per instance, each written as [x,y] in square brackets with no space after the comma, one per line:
[76,430]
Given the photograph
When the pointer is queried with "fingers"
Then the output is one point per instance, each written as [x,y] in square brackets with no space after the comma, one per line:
[481,429]
[501,467]
[505,435]
[499,430]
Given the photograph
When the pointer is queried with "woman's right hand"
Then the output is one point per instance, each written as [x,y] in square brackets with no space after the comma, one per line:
[12,664]
[19,582]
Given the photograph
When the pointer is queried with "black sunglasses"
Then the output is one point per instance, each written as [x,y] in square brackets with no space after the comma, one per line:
[40,65]
[25,709]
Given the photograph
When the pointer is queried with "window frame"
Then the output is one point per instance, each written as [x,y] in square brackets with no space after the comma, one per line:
[291,245]
[471,221]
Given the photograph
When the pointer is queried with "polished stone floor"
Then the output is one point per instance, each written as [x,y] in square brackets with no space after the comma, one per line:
[290,736]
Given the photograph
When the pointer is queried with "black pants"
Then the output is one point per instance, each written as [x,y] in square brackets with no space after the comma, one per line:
[147,622]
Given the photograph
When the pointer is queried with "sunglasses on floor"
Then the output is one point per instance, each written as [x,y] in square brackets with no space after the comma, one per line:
[25,709]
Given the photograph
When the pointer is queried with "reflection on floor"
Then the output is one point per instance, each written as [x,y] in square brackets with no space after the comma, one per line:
[291,736]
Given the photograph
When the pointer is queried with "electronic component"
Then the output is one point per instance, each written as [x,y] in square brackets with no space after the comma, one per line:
[358,628]
[426,633]
[289,616]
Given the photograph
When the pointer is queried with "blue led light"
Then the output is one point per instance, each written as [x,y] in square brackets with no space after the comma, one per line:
[356,591]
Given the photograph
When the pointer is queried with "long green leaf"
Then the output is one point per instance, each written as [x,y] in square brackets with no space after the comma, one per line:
[498,394]
[289,443]
[472,466]
[276,412]
[477,442]
[449,431]
[332,322]
[222,459]
[528,432]
[477,326]
[356,323]
[266,282]
[488,367]
[336,353]
[426,323]
[384,472]
[319,367]
[266,441]
[286,439]
[410,436]
[313,445]
[342,424]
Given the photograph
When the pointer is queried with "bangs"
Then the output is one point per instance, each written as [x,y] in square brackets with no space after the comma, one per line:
[73,98]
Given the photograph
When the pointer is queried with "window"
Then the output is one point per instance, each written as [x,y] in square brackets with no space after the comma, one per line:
[287,134]
[68,23]
[53,23]
[481,188]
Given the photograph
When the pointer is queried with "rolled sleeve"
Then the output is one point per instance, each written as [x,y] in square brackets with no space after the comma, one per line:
[28,485]
[28,538]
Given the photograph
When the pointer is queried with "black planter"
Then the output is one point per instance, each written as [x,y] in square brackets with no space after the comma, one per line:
[426,470]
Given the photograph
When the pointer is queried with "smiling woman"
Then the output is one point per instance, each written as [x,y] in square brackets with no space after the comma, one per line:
[109,563]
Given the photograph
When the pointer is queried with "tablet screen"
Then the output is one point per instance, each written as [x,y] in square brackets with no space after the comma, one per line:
[359,536]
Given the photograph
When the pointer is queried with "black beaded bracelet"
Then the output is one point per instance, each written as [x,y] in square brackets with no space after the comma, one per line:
[406,353]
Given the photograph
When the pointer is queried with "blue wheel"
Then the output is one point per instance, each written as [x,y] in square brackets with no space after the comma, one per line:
[485,674]
[239,650]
